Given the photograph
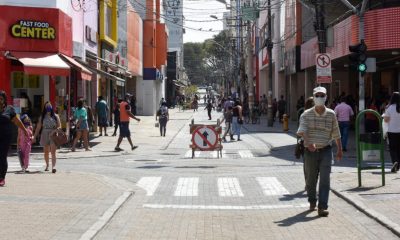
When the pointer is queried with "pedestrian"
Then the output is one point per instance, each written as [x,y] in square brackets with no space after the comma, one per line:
[228,115]
[25,142]
[125,115]
[228,103]
[281,108]
[163,117]
[237,119]
[319,127]
[82,127]
[308,104]
[392,117]
[102,115]
[48,122]
[209,108]
[371,121]
[117,120]
[343,113]
[195,104]
[7,117]
[274,109]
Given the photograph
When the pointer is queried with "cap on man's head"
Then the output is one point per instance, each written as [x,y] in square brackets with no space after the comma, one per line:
[319,90]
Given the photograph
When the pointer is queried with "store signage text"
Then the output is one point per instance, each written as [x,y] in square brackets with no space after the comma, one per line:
[33,29]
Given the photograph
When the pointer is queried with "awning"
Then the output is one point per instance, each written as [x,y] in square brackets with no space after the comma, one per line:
[120,81]
[85,73]
[42,63]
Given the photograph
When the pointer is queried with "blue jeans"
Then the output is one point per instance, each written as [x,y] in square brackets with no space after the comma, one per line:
[344,133]
[318,162]
[236,127]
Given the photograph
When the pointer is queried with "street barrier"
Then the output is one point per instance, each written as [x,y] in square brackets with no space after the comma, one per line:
[206,138]
[370,146]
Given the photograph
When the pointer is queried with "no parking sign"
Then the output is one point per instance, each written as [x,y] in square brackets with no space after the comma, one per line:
[205,138]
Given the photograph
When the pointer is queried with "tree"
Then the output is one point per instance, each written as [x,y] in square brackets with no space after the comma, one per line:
[193,62]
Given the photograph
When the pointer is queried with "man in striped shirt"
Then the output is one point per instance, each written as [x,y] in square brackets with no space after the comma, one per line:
[319,127]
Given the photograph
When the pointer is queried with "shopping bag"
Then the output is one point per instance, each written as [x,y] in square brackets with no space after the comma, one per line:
[59,137]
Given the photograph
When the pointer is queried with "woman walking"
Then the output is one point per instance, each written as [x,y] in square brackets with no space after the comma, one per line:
[237,119]
[82,126]
[25,142]
[7,117]
[48,123]
[163,118]
[392,117]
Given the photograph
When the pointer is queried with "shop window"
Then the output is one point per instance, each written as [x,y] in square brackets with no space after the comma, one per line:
[22,80]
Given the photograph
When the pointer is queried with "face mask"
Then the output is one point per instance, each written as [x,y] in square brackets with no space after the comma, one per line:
[319,101]
[48,109]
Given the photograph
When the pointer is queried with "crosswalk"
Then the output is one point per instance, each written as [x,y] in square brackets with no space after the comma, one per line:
[33,166]
[225,186]
[214,154]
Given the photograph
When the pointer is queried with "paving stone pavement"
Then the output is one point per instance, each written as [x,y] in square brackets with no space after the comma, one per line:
[43,201]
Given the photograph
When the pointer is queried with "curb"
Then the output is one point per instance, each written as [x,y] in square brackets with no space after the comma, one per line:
[381,219]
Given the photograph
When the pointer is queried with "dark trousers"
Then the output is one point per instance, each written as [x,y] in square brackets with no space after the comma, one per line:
[394,146]
[318,163]
[4,146]
[163,126]
[115,128]
[209,114]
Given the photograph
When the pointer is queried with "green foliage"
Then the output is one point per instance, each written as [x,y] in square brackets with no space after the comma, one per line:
[191,90]
[193,62]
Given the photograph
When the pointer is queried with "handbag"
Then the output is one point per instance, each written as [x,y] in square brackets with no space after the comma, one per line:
[156,125]
[299,150]
[240,121]
[59,137]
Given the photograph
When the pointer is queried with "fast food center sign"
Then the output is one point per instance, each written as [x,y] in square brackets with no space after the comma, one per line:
[33,30]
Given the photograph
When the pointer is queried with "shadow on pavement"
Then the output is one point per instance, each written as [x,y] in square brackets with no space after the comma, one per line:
[290,197]
[301,217]
[204,167]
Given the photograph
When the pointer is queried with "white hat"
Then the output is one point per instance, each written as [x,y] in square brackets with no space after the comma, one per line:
[319,90]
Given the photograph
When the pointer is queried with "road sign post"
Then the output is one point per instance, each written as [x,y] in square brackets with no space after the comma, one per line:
[324,69]
[206,138]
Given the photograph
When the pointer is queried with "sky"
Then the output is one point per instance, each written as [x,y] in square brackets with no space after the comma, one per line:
[197,15]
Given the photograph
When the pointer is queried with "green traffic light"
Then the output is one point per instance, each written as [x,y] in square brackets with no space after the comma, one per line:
[362,67]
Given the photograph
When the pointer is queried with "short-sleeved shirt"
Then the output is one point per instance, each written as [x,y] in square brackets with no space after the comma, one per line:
[321,129]
[124,108]
[80,114]
[394,122]
[343,112]
[101,109]
[5,120]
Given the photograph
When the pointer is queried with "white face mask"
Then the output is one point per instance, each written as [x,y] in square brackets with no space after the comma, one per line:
[319,101]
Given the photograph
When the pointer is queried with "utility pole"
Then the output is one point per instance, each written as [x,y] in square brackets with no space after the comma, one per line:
[361,36]
[320,25]
[250,74]
[269,52]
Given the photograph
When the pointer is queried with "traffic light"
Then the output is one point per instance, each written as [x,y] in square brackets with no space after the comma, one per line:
[358,56]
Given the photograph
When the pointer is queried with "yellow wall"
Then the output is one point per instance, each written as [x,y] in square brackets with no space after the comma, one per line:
[112,38]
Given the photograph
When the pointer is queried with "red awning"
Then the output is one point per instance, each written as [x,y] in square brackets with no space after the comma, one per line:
[42,63]
[85,73]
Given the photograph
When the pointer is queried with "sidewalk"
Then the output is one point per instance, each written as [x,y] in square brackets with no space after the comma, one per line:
[377,201]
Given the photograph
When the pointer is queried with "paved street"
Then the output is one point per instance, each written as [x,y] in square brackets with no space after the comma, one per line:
[254,191]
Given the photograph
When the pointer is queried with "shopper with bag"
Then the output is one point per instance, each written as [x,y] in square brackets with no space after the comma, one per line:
[163,117]
[49,123]
[392,118]
[237,119]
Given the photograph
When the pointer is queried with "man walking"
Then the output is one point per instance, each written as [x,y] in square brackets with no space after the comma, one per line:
[209,108]
[319,127]
[281,108]
[125,115]
[102,115]
[343,113]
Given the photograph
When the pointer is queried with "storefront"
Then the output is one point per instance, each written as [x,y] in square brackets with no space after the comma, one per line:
[35,61]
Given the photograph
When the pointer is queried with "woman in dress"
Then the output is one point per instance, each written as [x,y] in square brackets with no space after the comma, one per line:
[48,123]
[7,118]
